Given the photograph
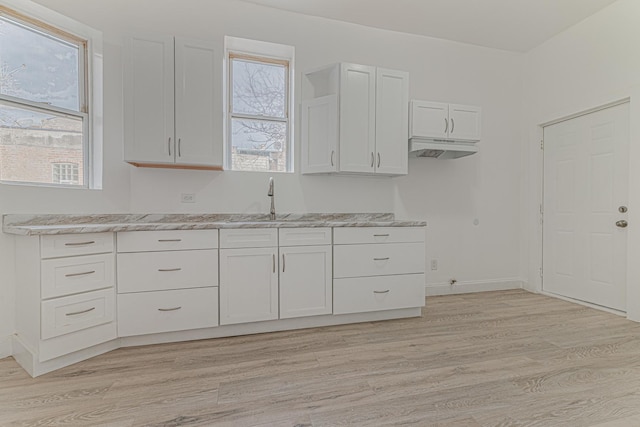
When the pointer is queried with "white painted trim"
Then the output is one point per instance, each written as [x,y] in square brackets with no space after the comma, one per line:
[269,326]
[470,287]
[5,347]
[29,361]
[584,303]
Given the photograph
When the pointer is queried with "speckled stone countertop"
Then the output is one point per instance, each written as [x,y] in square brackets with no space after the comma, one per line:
[28,225]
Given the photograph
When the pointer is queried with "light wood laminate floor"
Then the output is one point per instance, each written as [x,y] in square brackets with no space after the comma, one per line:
[507,358]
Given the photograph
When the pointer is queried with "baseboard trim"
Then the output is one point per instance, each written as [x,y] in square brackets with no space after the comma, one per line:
[5,347]
[470,287]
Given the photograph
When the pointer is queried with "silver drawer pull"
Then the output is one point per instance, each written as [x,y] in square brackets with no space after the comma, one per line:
[91,242]
[381,235]
[169,309]
[381,259]
[381,292]
[169,269]
[84,273]
[80,312]
[169,240]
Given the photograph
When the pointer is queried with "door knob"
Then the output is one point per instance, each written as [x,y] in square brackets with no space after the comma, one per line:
[622,223]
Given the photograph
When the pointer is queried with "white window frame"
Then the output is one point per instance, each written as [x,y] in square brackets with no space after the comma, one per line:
[90,93]
[67,168]
[261,52]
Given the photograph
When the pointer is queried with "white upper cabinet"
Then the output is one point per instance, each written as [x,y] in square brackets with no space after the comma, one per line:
[170,103]
[355,120]
[392,122]
[440,121]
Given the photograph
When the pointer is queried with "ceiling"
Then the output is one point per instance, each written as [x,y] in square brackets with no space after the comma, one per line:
[515,25]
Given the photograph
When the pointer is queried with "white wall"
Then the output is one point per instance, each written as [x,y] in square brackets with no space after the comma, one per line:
[449,195]
[589,65]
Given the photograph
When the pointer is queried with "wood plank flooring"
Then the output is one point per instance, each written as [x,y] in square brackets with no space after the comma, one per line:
[507,358]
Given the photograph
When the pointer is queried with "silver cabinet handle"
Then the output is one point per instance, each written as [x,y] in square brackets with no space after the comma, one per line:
[381,292]
[84,273]
[274,262]
[622,223]
[169,240]
[80,312]
[170,309]
[283,263]
[179,147]
[378,159]
[372,159]
[169,269]
[446,125]
[381,235]
[332,153]
[453,125]
[90,242]
[381,259]
[169,145]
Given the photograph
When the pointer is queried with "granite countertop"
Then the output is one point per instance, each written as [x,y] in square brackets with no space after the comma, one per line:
[28,225]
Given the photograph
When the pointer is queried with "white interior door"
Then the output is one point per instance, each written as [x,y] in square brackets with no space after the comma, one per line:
[585,193]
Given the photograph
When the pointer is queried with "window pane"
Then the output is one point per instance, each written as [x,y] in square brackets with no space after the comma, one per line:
[38,67]
[32,143]
[258,145]
[259,89]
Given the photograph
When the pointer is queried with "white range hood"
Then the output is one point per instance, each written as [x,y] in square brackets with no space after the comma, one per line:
[443,131]
[440,149]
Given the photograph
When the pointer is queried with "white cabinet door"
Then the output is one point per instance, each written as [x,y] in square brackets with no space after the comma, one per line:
[392,120]
[357,118]
[464,122]
[149,100]
[320,134]
[195,84]
[305,281]
[429,120]
[248,285]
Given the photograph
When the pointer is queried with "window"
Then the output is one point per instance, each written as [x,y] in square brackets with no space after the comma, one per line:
[65,173]
[45,122]
[259,96]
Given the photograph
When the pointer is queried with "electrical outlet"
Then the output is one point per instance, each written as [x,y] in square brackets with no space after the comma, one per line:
[434,264]
[188,198]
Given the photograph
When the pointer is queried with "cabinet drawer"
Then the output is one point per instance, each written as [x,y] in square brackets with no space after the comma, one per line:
[248,238]
[75,244]
[167,240]
[165,311]
[363,294]
[357,235]
[66,276]
[73,313]
[304,236]
[378,260]
[157,271]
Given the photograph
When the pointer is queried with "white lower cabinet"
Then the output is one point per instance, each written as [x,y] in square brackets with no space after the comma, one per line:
[167,281]
[65,294]
[378,268]
[305,281]
[248,284]
[166,311]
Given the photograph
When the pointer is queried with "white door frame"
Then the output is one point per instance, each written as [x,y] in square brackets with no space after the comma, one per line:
[534,282]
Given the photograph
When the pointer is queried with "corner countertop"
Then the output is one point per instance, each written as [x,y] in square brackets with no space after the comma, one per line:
[29,225]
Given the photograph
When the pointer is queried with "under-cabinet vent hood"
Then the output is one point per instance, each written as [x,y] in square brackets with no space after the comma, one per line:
[440,149]
[443,131]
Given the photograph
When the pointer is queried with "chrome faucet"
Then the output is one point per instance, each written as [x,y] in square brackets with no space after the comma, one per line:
[272,212]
